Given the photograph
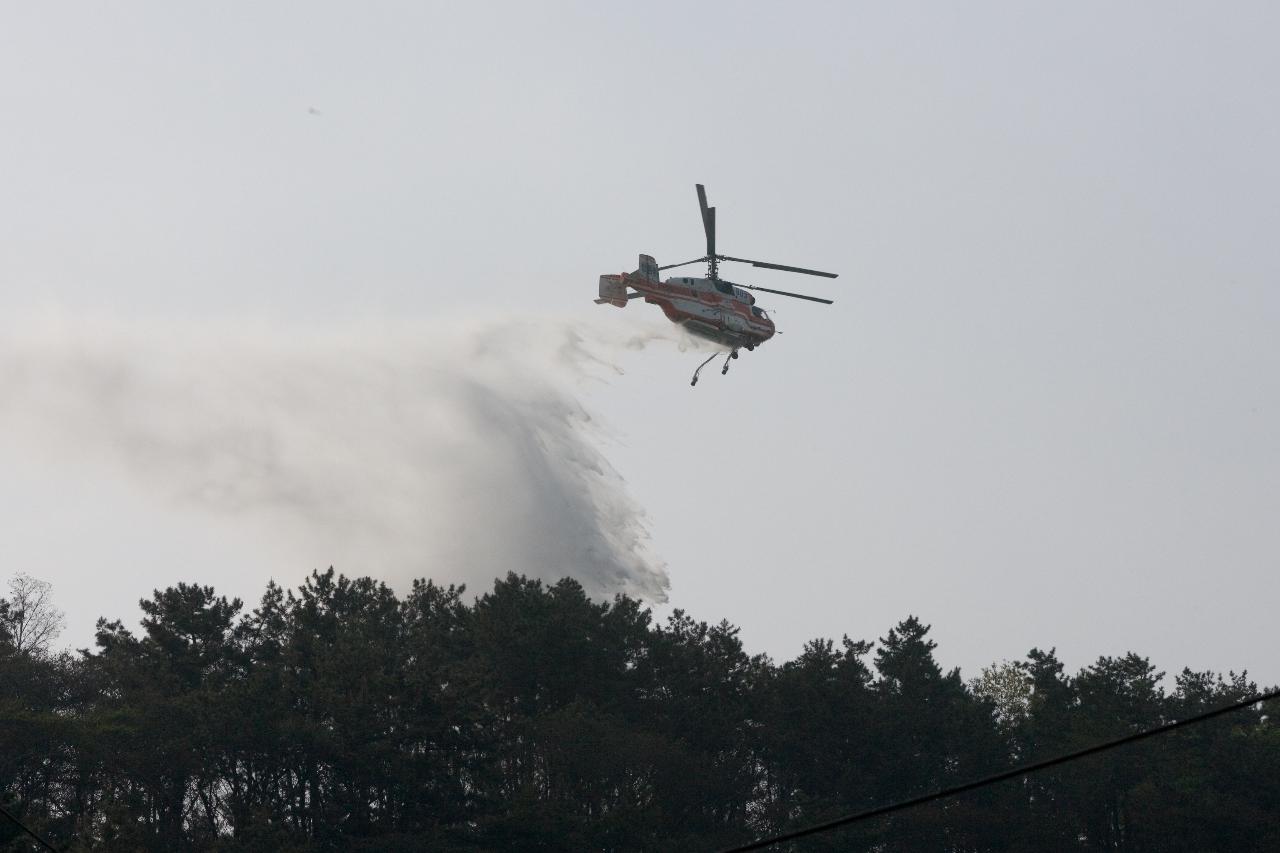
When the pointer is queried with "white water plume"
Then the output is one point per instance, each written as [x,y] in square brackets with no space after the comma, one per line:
[456,451]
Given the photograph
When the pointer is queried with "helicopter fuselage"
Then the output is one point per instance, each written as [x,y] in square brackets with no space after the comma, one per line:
[709,308]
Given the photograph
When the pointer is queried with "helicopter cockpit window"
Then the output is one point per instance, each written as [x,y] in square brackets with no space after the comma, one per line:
[757,312]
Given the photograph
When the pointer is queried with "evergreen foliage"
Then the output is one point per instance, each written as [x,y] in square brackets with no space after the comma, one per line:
[342,717]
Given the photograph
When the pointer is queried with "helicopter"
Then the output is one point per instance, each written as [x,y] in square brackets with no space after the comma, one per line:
[709,307]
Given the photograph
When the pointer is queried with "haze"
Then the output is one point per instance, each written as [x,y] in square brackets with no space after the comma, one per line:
[1042,411]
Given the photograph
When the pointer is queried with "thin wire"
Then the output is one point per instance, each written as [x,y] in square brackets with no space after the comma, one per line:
[28,830]
[1000,777]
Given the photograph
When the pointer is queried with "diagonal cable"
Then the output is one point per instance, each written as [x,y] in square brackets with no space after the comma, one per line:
[28,830]
[1000,777]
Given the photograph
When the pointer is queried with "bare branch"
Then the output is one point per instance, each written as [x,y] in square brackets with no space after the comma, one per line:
[32,620]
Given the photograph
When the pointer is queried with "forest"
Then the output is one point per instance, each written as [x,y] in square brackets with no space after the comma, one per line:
[342,716]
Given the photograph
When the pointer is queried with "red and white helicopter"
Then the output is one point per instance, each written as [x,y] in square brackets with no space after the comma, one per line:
[709,307]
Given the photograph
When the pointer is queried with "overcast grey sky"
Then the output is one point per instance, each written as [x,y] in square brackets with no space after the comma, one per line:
[1043,410]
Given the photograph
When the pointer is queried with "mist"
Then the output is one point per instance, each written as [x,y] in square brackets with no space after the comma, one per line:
[455,449]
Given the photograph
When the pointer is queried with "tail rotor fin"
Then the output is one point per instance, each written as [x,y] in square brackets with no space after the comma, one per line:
[648,268]
[613,288]
[613,291]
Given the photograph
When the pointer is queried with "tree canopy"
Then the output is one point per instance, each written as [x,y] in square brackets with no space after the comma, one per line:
[341,716]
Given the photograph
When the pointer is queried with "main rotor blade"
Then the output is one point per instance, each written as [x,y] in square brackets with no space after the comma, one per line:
[709,225]
[783,293]
[769,266]
[684,263]
[708,220]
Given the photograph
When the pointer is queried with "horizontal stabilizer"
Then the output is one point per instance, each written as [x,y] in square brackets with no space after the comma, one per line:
[613,290]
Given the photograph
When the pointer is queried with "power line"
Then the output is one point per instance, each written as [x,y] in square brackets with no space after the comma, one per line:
[1000,777]
[28,830]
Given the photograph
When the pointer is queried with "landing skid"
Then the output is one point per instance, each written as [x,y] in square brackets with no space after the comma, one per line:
[732,355]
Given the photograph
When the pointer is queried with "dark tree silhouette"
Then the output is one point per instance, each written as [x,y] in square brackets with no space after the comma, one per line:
[340,716]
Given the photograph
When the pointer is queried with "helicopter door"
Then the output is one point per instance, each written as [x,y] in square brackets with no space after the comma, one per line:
[733,321]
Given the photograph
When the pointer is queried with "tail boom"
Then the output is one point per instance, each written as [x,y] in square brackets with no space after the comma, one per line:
[613,288]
